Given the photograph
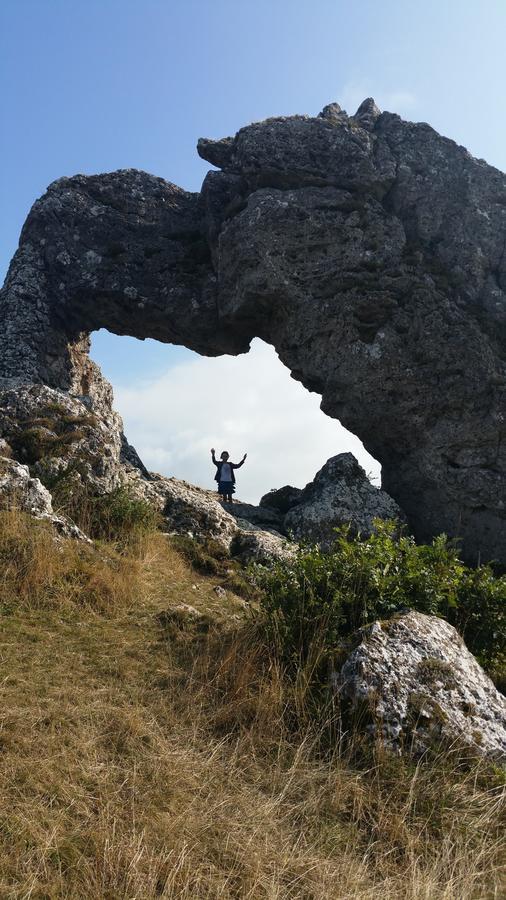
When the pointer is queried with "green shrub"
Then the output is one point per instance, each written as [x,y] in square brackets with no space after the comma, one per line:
[119,516]
[315,602]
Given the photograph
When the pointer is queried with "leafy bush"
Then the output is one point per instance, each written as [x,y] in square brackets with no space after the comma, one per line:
[315,602]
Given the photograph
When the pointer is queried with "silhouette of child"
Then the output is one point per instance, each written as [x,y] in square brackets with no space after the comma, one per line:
[225,474]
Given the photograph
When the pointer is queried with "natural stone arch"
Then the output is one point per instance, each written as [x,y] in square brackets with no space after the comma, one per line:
[369,251]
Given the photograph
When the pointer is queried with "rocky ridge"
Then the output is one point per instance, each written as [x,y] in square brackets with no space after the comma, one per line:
[60,438]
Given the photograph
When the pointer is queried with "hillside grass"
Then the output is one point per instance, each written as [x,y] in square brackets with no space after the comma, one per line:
[149,750]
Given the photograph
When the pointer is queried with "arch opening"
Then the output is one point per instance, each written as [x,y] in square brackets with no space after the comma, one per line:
[176,405]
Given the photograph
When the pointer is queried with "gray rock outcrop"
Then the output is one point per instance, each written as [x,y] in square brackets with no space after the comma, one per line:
[340,494]
[18,490]
[413,682]
[368,250]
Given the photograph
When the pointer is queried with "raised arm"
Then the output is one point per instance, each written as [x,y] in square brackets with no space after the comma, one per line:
[238,465]
[213,457]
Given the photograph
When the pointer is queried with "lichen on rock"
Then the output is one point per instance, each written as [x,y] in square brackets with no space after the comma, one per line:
[422,688]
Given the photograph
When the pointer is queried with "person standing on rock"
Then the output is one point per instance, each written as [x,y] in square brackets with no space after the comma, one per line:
[225,474]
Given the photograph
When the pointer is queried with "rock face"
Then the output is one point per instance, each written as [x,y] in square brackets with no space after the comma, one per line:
[340,494]
[368,250]
[58,434]
[19,490]
[416,682]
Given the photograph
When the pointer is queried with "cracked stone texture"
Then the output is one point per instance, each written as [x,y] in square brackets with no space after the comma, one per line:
[20,491]
[191,510]
[339,494]
[421,685]
[368,250]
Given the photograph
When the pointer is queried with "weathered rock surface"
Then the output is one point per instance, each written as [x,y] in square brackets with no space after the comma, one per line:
[258,515]
[340,494]
[368,250]
[18,490]
[254,544]
[191,510]
[418,684]
[58,434]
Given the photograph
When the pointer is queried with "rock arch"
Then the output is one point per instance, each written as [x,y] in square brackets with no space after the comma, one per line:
[368,250]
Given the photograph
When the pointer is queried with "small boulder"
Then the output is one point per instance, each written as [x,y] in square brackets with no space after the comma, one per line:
[263,516]
[413,681]
[282,500]
[19,490]
[253,544]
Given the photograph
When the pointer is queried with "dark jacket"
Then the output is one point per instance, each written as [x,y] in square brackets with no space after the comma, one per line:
[219,463]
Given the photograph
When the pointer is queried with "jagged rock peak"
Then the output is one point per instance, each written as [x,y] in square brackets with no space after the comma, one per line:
[333,113]
[367,113]
[339,494]
[218,153]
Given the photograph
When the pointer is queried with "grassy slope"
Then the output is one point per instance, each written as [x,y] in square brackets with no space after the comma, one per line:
[143,758]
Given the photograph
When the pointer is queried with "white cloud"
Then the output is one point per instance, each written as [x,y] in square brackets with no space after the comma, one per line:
[242,404]
[397,101]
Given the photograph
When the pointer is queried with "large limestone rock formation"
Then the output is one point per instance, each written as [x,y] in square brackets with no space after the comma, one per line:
[368,250]
[413,682]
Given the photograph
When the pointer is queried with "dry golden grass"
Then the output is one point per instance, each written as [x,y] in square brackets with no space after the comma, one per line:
[144,760]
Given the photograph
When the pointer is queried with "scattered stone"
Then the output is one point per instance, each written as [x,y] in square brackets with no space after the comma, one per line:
[181,615]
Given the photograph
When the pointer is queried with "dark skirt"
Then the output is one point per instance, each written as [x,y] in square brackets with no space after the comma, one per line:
[226,488]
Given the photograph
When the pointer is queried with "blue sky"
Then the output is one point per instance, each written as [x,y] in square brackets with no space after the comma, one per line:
[96,85]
